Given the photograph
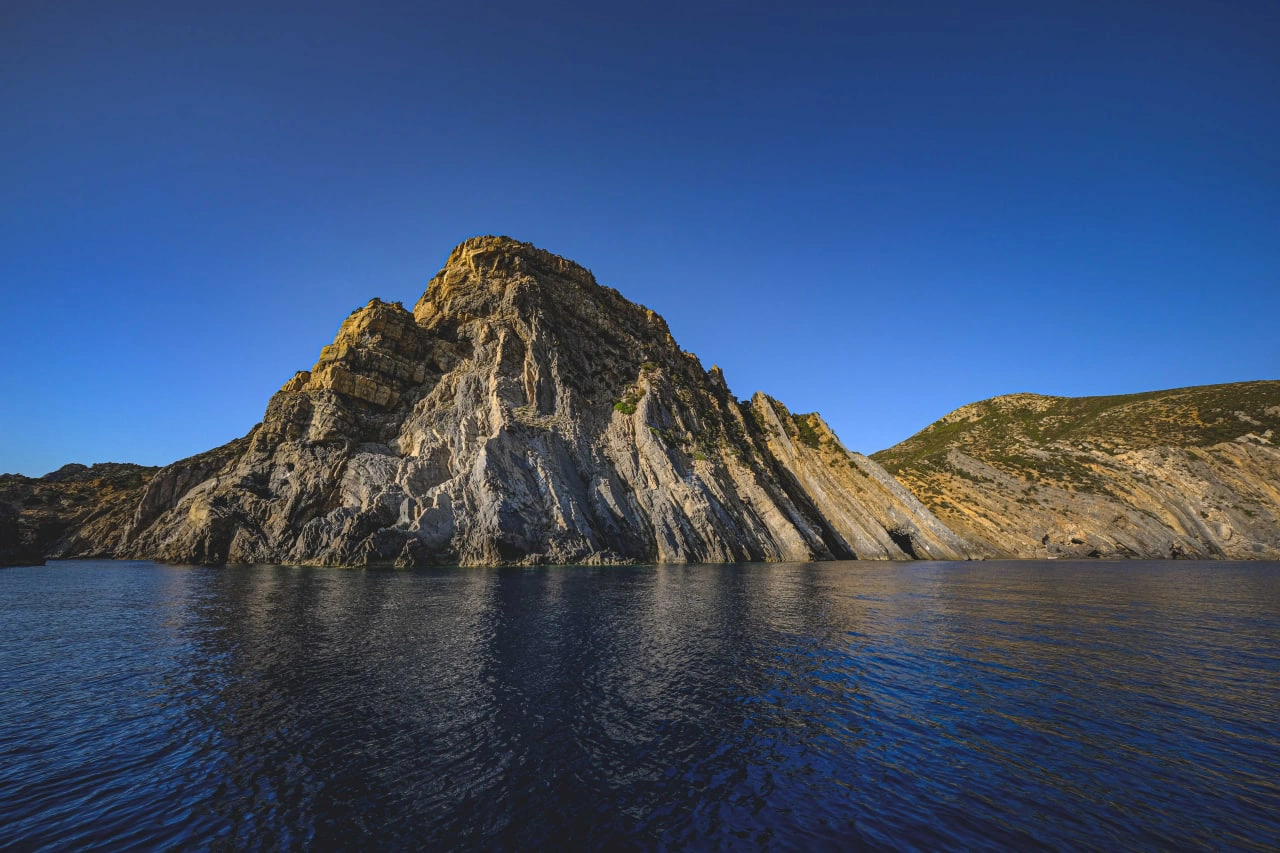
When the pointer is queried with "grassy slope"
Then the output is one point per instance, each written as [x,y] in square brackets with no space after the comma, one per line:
[1045,439]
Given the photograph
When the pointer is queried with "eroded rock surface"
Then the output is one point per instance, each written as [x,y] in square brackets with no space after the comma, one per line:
[522,413]
[870,511]
[1191,472]
[79,510]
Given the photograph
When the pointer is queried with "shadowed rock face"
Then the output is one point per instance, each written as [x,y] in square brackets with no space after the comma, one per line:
[1191,472]
[77,510]
[522,413]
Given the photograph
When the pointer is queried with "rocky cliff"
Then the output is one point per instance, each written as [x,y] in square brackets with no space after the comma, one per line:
[77,509]
[1191,472]
[521,413]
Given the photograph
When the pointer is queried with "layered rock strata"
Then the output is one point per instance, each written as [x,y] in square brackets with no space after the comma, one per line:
[1191,472]
[522,413]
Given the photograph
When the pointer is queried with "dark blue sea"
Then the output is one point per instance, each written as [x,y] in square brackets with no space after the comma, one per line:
[793,706]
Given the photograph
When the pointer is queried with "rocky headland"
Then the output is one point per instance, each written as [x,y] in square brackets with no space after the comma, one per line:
[77,510]
[1189,472]
[522,413]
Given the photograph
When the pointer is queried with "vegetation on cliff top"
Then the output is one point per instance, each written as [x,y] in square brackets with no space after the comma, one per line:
[1034,436]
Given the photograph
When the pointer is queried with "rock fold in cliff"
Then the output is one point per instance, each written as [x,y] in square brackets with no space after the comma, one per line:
[522,413]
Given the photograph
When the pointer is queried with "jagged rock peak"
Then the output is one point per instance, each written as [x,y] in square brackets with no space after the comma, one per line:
[524,414]
[490,276]
[490,253]
[486,266]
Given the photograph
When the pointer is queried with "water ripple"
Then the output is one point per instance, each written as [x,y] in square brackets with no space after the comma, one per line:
[796,706]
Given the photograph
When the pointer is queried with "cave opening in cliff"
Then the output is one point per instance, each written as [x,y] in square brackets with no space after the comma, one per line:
[902,539]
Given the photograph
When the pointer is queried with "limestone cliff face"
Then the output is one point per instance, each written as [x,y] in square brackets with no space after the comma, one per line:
[1192,472]
[522,413]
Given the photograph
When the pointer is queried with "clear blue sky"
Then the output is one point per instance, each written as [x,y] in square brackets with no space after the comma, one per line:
[880,211]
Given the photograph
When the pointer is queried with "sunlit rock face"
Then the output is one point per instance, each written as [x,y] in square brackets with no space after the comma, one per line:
[1189,472]
[522,413]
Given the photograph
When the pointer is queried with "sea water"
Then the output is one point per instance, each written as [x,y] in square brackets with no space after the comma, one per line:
[828,705]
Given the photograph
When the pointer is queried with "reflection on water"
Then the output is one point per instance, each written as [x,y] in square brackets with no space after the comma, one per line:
[794,705]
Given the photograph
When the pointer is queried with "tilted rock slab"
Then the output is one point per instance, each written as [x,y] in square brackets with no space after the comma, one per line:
[524,414]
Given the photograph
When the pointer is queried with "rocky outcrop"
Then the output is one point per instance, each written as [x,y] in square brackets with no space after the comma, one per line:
[76,510]
[522,413]
[870,511]
[1192,472]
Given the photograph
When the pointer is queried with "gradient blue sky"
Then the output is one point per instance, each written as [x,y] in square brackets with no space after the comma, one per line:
[880,211]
